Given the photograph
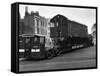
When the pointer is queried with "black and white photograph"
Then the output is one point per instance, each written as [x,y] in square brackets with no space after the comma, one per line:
[56,37]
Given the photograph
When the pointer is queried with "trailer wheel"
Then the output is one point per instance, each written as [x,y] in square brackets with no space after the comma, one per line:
[49,54]
[57,52]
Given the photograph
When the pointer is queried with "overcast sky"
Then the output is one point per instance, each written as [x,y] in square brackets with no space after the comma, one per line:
[81,15]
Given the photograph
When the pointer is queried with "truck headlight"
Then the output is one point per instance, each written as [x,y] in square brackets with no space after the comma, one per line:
[21,50]
[35,50]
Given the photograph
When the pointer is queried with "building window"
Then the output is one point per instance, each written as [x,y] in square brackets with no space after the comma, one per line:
[37,26]
[35,23]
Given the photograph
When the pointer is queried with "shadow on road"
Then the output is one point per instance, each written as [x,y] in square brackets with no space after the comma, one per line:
[43,59]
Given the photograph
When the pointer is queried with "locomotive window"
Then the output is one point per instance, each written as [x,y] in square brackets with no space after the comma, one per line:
[57,24]
[20,39]
[21,42]
[41,40]
[27,40]
[35,39]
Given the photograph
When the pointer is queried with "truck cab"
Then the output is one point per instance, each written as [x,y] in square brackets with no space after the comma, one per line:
[32,46]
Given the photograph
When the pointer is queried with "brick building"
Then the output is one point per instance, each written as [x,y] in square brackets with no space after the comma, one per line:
[33,23]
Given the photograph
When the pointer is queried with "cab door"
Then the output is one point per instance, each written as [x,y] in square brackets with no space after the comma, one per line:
[38,47]
[35,49]
[27,47]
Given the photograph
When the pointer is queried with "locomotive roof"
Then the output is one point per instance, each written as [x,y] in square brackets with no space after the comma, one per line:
[65,18]
[57,16]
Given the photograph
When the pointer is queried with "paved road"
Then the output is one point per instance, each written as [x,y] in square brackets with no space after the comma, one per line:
[81,58]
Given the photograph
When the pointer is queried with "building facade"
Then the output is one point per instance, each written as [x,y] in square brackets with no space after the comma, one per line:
[33,23]
[93,29]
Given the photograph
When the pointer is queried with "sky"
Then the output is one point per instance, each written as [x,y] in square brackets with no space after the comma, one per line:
[81,15]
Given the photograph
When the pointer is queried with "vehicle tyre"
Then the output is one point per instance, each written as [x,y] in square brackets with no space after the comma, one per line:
[57,52]
[49,54]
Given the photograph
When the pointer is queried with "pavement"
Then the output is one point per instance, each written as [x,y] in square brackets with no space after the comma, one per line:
[81,58]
